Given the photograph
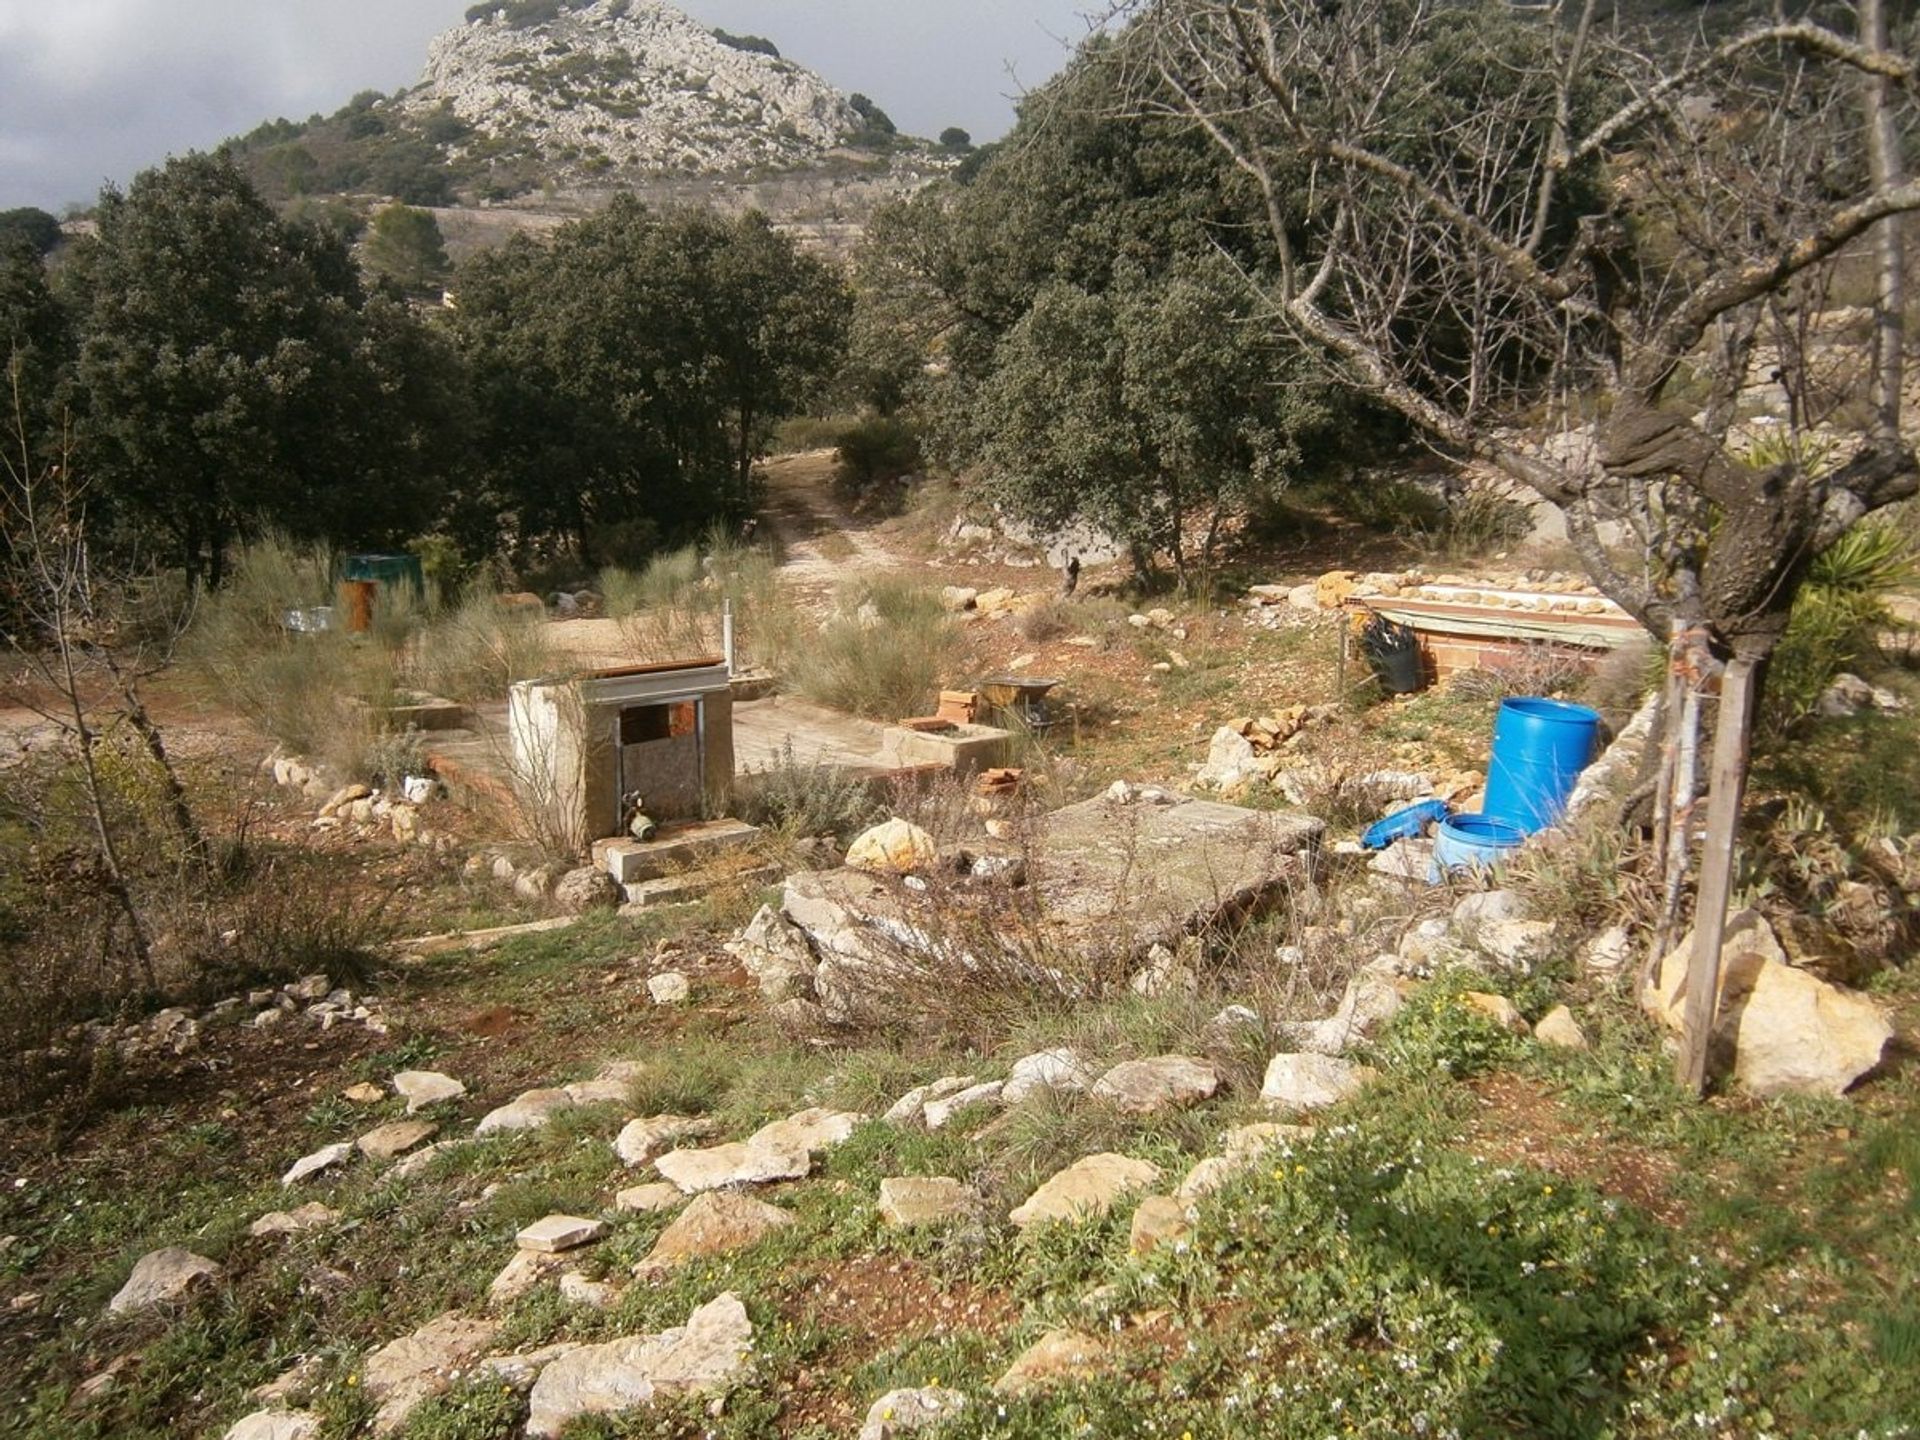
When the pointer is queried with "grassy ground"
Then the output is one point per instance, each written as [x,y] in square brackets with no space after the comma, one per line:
[1494,1239]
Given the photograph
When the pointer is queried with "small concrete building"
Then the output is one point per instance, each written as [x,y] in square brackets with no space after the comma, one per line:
[591,751]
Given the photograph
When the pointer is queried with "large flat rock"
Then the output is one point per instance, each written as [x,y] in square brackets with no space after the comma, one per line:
[1111,881]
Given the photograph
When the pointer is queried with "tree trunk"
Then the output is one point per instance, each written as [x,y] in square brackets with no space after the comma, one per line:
[1888,169]
[117,885]
[193,840]
[1739,689]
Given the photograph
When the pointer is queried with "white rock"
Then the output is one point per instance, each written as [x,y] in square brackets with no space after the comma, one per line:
[533,1110]
[421,1088]
[402,1375]
[641,1140]
[670,988]
[1516,944]
[1559,1029]
[1608,955]
[1143,1087]
[1486,908]
[1085,1189]
[1784,1029]
[649,1199]
[594,1294]
[557,1234]
[716,1223]
[915,1200]
[323,1159]
[276,1425]
[162,1277]
[1372,998]
[1164,974]
[740,1163]
[1231,764]
[293,1222]
[390,1141]
[939,1112]
[520,1276]
[1310,1082]
[1062,1069]
[709,1350]
[775,953]
[910,1108]
[519,1371]
[894,847]
[908,1412]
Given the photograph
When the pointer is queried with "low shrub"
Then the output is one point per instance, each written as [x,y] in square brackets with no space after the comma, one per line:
[805,799]
[883,654]
[477,650]
[672,609]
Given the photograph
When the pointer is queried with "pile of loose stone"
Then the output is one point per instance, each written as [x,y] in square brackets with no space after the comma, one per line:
[179,1030]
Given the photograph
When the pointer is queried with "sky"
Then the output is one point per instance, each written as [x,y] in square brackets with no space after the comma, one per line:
[93,91]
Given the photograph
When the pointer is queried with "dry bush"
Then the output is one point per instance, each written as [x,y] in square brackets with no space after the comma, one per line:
[974,954]
[327,695]
[884,653]
[257,916]
[1048,621]
[1540,669]
[477,650]
[672,610]
[1587,877]
[802,800]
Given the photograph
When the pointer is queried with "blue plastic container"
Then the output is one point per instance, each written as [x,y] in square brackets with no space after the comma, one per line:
[1473,842]
[1403,824]
[1539,749]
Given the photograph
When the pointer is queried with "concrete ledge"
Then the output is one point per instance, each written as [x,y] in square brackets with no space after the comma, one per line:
[676,848]
[963,749]
[684,889]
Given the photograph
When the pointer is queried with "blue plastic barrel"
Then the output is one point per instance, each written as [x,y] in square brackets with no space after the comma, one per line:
[1539,749]
[1473,842]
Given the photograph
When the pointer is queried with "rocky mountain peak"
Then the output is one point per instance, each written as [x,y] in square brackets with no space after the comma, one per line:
[595,88]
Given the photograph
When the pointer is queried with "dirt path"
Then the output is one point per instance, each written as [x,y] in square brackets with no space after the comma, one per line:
[821,543]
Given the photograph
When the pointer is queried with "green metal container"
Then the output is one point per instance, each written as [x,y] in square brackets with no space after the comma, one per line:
[386,570]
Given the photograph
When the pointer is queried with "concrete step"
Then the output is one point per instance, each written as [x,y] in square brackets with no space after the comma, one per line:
[675,848]
[684,889]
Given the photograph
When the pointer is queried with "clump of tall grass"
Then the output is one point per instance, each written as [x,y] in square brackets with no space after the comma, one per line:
[671,609]
[328,694]
[307,690]
[884,653]
[475,650]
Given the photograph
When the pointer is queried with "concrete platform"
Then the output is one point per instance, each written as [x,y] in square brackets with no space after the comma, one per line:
[765,732]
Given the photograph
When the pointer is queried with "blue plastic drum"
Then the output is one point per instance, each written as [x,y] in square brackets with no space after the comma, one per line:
[1473,842]
[1539,749]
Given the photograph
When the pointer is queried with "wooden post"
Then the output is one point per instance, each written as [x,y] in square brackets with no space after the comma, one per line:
[1729,787]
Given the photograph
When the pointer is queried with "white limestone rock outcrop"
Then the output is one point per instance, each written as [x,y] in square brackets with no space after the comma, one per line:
[162,1277]
[629,85]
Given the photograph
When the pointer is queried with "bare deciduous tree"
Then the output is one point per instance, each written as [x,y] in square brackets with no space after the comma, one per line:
[1563,248]
[63,625]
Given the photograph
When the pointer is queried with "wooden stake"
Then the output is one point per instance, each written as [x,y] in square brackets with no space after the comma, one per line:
[1729,786]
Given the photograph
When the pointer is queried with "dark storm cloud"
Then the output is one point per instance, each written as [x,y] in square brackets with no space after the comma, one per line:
[94,90]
